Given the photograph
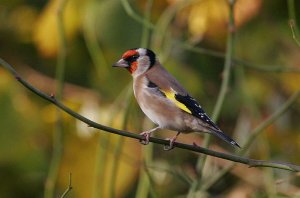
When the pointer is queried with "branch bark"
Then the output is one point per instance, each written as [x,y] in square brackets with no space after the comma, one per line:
[193,147]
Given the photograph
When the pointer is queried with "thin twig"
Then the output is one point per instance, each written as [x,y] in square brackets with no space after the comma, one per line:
[144,182]
[224,87]
[105,141]
[119,145]
[69,187]
[100,167]
[214,53]
[293,21]
[128,9]
[162,36]
[146,29]
[270,119]
[195,148]
[280,111]
[237,61]
[266,68]
[151,182]
[58,131]
[180,175]
[293,28]
[144,185]
[92,44]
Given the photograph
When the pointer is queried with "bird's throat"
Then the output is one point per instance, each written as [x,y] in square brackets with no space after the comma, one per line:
[132,67]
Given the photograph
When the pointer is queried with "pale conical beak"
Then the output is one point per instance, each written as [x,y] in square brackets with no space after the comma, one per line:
[121,63]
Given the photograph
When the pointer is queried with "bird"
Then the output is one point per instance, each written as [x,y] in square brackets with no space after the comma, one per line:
[163,100]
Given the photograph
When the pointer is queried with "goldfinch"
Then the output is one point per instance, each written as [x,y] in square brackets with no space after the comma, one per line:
[164,101]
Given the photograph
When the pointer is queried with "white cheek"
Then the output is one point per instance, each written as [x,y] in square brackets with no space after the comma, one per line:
[143,65]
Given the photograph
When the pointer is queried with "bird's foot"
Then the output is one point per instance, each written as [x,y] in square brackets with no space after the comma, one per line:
[146,136]
[171,144]
[195,144]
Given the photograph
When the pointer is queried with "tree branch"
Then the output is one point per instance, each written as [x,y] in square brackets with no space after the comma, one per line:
[235,158]
[69,188]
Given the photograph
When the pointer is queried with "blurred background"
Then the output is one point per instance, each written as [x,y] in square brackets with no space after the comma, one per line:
[39,147]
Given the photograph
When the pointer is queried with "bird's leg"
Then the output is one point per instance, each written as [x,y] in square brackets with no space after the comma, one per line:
[172,140]
[146,135]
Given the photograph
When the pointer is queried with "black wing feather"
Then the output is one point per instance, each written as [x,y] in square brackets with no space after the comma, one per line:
[191,104]
[196,109]
[154,86]
[198,112]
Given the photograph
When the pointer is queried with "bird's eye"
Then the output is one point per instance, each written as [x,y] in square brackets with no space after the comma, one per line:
[132,58]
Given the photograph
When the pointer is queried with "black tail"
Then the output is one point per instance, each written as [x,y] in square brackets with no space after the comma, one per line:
[226,138]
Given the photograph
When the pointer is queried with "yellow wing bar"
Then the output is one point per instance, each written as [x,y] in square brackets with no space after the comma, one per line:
[171,96]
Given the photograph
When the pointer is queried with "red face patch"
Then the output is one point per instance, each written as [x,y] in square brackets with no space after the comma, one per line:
[132,67]
[129,53]
[131,56]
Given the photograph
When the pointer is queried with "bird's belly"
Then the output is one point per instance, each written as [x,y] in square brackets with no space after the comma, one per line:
[165,116]
[152,115]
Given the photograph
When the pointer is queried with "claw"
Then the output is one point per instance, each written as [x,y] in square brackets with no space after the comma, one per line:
[146,135]
[171,144]
[52,96]
[195,144]
[18,78]
[146,138]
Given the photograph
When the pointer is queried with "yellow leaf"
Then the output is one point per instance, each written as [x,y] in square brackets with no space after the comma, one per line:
[46,33]
[209,18]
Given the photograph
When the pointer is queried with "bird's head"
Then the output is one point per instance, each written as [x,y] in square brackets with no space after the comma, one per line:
[137,61]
